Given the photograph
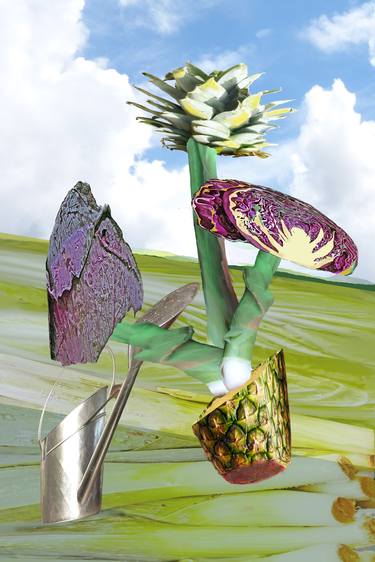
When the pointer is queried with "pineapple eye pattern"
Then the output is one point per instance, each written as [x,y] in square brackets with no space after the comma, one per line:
[247,437]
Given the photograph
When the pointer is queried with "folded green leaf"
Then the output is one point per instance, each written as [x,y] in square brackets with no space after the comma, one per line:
[181,121]
[185,79]
[211,128]
[221,97]
[276,103]
[235,118]
[165,101]
[144,108]
[197,108]
[277,113]
[209,92]
[197,71]
[233,76]
[157,343]
[173,92]
[252,102]
[172,347]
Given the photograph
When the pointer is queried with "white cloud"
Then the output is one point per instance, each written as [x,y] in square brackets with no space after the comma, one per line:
[158,213]
[224,59]
[160,16]
[334,167]
[264,32]
[329,165]
[164,16]
[354,27]
[64,119]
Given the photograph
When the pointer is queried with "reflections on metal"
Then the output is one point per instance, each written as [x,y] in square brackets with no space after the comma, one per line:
[72,454]
[163,313]
[65,453]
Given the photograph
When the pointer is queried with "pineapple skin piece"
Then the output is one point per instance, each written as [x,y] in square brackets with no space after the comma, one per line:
[246,433]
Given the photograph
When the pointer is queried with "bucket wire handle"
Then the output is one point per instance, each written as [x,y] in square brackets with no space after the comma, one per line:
[107,348]
[46,402]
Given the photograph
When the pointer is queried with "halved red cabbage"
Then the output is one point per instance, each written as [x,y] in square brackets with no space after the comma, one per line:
[276,223]
[208,205]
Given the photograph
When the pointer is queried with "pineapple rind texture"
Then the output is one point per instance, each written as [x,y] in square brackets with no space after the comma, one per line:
[246,433]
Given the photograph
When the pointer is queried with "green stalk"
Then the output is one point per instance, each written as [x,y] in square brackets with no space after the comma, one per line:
[364,556]
[284,508]
[172,347]
[219,295]
[130,483]
[318,553]
[314,433]
[161,412]
[139,538]
[362,488]
[359,461]
[256,300]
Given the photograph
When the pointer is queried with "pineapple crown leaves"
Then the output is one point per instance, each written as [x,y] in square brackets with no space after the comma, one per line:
[215,109]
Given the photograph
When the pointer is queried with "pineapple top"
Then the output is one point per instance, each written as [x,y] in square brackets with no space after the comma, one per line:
[215,109]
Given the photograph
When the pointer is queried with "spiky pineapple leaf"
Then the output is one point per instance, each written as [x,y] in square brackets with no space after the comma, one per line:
[181,121]
[278,113]
[234,119]
[197,71]
[185,79]
[144,108]
[165,101]
[211,108]
[165,107]
[196,108]
[210,127]
[276,103]
[153,122]
[232,76]
[173,92]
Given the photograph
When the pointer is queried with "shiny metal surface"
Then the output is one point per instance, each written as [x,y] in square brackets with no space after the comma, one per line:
[65,454]
[163,313]
[73,452]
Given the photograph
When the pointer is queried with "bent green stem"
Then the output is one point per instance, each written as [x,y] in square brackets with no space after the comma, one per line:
[219,295]
[255,302]
[173,347]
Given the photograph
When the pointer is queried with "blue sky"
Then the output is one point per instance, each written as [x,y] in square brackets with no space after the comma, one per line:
[268,36]
[64,116]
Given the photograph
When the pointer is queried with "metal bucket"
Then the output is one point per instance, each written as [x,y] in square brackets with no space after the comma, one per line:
[65,454]
[72,454]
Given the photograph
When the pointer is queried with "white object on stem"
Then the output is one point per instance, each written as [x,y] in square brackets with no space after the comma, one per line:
[236,371]
[217,388]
